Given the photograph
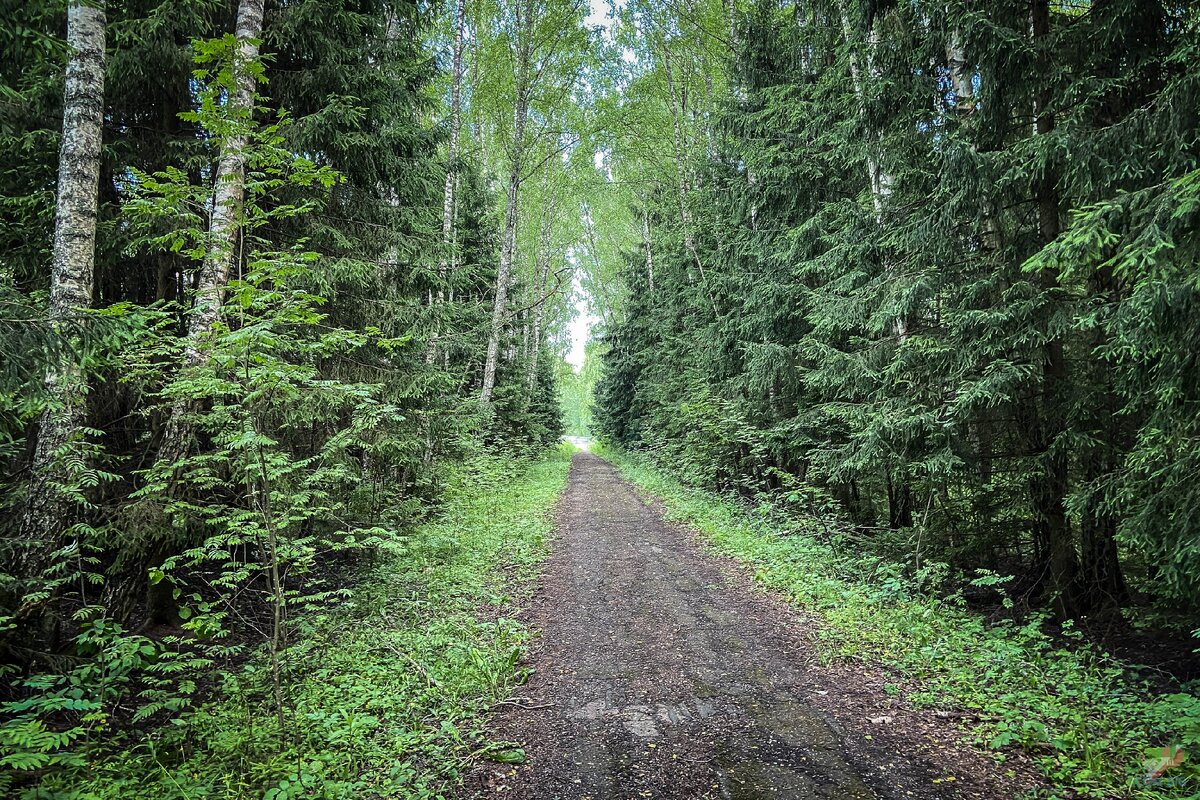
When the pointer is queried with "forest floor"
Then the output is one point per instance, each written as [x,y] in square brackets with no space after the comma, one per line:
[662,673]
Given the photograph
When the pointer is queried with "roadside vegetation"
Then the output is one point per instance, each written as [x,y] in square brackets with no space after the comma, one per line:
[1096,726]
[385,693]
[265,297]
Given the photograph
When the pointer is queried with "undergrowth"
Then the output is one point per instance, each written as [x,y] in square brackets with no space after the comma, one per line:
[384,694]
[1094,725]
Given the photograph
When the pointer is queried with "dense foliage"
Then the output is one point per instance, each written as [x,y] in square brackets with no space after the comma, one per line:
[919,277]
[246,290]
[386,694]
[934,271]
[1072,707]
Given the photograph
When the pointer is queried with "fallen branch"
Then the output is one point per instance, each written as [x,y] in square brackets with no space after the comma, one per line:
[515,702]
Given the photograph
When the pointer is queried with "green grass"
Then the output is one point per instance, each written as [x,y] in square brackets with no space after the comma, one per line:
[385,694]
[1088,721]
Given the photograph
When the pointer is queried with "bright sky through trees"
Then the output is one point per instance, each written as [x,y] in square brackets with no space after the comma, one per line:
[580,329]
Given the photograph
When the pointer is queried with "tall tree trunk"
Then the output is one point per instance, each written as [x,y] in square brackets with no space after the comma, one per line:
[982,425]
[961,78]
[446,264]
[475,57]
[1103,588]
[649,252]
[900,496]
[1050,483]
[516,158]
[225,227]
[541,277]
[880,179]
[899,503]
[49,512]
[448,192]
[128,575]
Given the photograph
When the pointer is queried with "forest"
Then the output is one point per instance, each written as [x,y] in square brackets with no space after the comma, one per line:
[896,303]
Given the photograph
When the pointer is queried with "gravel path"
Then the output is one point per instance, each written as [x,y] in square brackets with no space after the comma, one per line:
[661,674]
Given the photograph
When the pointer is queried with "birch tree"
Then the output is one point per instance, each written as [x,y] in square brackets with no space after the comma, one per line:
[523,53]
[446,264]
[541,276]
[229,188]
[547,46]
[71,279]
[880,179]
[456,79]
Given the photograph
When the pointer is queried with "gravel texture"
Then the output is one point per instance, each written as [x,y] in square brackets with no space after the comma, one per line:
[662,673]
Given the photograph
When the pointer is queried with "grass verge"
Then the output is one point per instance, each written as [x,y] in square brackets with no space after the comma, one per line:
[385,694]
[1093,724]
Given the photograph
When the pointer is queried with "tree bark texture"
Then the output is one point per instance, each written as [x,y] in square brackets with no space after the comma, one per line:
[224,230]
[1050,483]
[447,263]
[512,200]
[48,511]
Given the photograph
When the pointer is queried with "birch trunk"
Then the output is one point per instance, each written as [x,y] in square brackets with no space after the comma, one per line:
[71,278]
[731,14]
[447,263]
[475,120]
[508,243]
[649,252]
[448,196]
[961,79]
[503,275]
[224,228]
[899,491]
[541,278]
[881,181]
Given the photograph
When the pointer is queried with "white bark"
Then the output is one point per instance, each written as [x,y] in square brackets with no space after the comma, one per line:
[881,180]
[802,18]
[447,263]
[225,226]
[649,251]
[475,57]
[511,209]
[71,277]
[961,78]
[541,279]
[504,274]
[731,13]
[448,196]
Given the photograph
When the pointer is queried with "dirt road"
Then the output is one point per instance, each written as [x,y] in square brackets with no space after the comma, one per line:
[661,674]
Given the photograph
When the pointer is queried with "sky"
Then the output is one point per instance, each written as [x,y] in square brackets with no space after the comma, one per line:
[598,13]
[580,328]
